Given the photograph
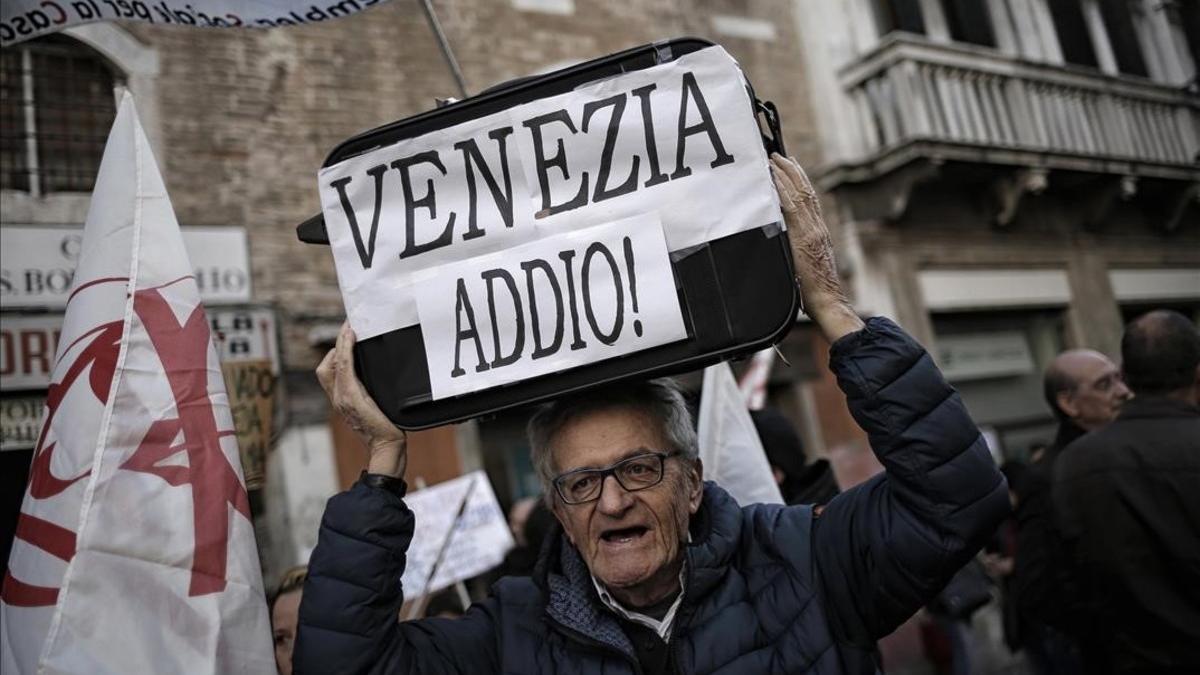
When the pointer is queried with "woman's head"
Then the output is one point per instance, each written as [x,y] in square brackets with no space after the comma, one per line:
[284,608]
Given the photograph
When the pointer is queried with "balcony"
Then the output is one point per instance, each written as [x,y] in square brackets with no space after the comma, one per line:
[920,105]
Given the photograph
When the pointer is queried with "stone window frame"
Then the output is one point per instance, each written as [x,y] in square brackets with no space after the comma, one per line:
[138,63]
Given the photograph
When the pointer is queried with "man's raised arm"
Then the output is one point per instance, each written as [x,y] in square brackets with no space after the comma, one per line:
[349,614]
[886,547]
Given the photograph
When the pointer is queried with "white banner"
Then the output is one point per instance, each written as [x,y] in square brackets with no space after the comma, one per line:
[679,139]
[476,545]
[24,19]
[544,307]
[37,264]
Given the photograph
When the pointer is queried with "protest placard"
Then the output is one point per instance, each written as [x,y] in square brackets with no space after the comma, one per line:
[477,543]
[251,387]
[549,305]
[679,139]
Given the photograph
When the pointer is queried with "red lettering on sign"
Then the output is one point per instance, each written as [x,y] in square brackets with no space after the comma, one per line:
[8,358]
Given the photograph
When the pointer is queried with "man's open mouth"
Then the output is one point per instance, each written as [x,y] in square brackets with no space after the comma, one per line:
[624,535]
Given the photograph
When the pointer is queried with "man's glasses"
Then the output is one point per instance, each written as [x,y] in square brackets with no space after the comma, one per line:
[634,473]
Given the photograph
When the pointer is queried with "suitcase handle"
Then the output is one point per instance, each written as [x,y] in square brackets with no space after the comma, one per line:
[774,142]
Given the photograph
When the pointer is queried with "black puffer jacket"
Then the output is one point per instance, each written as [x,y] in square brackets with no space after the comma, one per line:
[769,589]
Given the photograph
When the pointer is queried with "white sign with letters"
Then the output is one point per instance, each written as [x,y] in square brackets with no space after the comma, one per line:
[245,334]
[37,264]
[547,306]
[679,139]
[978,356]
[477,543]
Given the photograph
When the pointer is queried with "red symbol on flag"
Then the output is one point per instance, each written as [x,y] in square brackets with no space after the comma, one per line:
[100,355]
[183,350]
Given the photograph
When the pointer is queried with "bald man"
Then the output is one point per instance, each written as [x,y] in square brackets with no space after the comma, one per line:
[1085,391]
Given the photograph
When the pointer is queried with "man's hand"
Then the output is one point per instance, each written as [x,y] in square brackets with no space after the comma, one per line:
[812,251]
[387,445]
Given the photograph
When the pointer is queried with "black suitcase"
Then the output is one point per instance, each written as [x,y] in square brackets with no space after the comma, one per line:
[737,293]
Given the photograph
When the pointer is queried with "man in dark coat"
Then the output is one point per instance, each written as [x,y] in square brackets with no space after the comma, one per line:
[1084,390]
[653,570]
[1127,499]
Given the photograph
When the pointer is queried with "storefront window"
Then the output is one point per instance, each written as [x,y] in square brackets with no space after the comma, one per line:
[996,361]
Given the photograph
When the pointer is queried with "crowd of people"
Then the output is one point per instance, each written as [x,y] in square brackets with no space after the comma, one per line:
[631,562]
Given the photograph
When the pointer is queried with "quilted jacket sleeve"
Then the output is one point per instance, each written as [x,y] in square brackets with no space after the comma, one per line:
[886,547]
[352,598]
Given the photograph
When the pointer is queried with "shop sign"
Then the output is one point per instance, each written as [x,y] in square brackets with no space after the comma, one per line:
[27,348]
[20,421]
[984,355]
[37,264]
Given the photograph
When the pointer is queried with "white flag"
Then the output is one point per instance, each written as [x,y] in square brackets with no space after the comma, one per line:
[134,549]
[754,380]
[732,453]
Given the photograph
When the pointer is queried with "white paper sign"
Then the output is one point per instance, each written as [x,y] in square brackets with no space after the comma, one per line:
[544,307]
[477,544]
[678,138]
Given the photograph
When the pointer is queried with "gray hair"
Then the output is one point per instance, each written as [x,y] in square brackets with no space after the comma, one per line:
[660,399]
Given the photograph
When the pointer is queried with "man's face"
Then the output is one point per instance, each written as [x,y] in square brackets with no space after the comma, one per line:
[631,541]
[1098,394]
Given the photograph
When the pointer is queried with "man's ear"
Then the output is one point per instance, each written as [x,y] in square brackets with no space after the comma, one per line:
[1066,403]
[696,491]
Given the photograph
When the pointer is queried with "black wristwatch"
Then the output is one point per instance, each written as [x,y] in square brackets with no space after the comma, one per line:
[391,484]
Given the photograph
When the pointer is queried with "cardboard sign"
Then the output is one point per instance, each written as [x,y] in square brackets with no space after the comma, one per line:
[553,304]
[478,543]
[251,388]
[679,139]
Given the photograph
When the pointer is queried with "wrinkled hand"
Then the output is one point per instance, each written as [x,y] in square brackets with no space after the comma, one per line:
[812,251]
[387,445]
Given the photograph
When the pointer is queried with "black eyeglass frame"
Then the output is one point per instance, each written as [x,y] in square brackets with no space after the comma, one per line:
[611,470]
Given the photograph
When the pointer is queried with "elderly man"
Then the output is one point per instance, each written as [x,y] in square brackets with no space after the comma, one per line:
[1126,498]
[655,571]
[1085,391]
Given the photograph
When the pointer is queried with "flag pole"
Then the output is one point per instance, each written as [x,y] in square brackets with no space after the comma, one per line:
[447,54]
[418,607]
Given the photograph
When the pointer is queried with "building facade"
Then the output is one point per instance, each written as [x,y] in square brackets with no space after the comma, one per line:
[1010,177]
[1006,178]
